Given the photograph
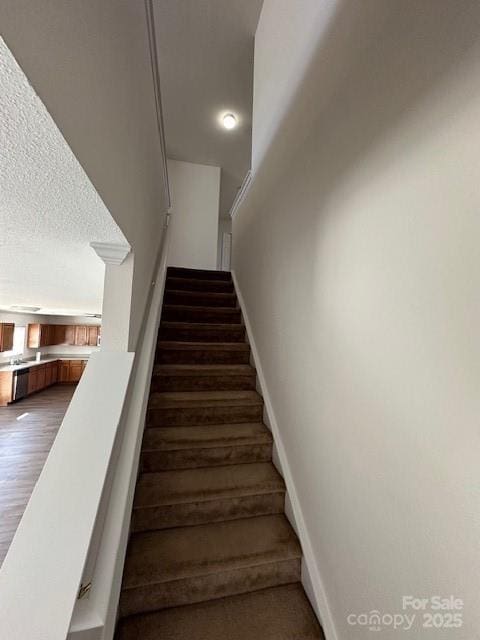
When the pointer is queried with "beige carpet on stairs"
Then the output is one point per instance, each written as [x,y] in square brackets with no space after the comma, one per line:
[211,555]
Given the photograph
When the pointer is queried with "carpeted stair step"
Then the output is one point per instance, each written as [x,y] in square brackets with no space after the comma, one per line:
[200,298]
[211,445]
[199,274]
[219,315]
[202,353]
[191,408]
[194,284]
[199,496]
[278,613]
[203,377]
[198,332]
[184,565]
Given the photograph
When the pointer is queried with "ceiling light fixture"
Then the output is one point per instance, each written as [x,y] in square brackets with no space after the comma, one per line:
[25,309]
[229,121]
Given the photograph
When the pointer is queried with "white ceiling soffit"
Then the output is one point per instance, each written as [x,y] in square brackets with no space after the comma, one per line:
[205,50]
[49,209]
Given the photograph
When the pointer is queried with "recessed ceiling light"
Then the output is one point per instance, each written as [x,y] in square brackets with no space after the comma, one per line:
[229,121]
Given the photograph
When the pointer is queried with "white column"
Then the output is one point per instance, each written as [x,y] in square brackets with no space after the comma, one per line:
[117,294]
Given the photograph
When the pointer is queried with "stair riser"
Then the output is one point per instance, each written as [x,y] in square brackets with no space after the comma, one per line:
[209,587]
[233,334]
[203,383]
[211,286]
[198,274]
[200,299]
[191,416]
[152,461]
[220,316]
[199,356]
[183,515]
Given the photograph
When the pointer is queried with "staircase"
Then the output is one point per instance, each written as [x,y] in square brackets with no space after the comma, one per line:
[211,555]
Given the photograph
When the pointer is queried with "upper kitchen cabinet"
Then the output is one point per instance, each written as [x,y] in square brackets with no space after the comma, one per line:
[81,336]
[60,333]
[93,335]
[69,334]
[44,335]
[40,335]
[6,336]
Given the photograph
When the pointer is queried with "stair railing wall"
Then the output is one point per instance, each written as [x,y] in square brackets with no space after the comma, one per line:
[95,616]
[42,572]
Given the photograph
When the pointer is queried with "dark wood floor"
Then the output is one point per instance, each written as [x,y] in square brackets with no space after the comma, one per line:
[24,447]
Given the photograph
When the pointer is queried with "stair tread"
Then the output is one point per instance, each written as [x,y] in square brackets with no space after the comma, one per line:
[278,613]
[187,307]
[176,324]
[173,281]
[181,399]
[213,295]
[207,483]
[195,274]
[157,557]
[178,345]
[206,437]
[203,370]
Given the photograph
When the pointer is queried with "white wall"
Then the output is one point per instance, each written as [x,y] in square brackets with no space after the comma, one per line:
[195,191]
[90,64]
[356,251]
[285,41]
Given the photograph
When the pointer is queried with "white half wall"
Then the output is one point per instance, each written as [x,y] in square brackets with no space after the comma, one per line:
[356,252]
[195,193]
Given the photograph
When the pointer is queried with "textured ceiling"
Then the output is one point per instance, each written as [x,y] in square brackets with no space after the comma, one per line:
[206,67]
[49,209]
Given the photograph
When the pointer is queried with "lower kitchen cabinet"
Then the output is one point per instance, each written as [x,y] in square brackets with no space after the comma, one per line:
[41,369]
[71,370]
[64,371]
[41,376]
[33,380]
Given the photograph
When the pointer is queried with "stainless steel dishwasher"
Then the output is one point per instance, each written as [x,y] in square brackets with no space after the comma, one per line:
[20,383]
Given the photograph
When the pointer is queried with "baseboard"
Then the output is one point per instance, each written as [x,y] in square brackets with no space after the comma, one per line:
[311,579]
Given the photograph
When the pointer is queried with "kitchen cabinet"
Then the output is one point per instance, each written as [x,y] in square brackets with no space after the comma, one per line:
[71,370]
[40,335]
[76,370]
[93,333]
[70,334]
[33,336]
[46,335]
[41,376]
[81,336]
[6,387]
[48,375]
[33,380]
[64,371]
[59,334]
[6,336]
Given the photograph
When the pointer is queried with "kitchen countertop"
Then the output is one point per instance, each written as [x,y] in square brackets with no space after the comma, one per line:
[34,363]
